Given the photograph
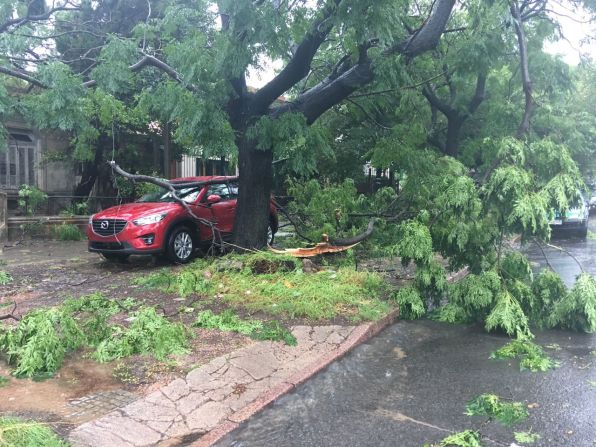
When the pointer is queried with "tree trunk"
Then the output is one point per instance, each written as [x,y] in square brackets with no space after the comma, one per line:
[454,125]
[524,126]
[91,170]
[256,181]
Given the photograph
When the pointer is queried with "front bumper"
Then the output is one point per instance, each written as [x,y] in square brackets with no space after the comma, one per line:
[123,248]
[574,225]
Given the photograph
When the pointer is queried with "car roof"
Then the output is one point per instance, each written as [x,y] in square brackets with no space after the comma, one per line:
[204,179]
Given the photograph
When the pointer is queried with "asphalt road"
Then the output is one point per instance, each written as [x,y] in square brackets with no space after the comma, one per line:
[409,386]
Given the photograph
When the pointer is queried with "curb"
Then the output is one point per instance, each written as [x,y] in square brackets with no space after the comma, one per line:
[358,336]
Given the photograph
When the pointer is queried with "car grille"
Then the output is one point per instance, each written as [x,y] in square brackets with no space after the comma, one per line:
[108,227]
[106,245]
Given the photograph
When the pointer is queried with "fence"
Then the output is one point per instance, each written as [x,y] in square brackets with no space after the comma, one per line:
[67,204]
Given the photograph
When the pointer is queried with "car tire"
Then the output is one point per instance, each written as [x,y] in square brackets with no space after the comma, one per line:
[181,245]
[583,232]
[270,234]
[115,257]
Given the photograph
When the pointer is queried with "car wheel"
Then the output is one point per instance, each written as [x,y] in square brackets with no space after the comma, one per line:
[115,257]
[583,232]
[181,245]
[270,235]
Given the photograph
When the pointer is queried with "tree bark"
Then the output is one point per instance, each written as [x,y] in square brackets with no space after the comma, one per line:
[91,170]
[256,181]
[524,126]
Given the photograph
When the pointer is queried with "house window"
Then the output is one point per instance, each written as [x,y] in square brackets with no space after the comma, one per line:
[17,163]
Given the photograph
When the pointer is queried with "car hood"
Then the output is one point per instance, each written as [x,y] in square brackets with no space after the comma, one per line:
[130,211]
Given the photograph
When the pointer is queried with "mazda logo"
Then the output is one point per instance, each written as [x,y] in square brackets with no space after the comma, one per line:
[104,225]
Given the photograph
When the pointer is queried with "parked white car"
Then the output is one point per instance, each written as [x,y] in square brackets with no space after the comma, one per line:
[574,220]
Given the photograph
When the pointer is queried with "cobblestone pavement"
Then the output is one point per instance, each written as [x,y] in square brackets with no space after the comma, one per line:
[96,405]
[220,391]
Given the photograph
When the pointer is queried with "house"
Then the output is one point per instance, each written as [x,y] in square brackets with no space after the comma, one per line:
[21,162]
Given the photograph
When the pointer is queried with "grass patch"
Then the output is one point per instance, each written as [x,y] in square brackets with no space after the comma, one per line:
[18,433]
[3,381]
[526,437]
[38,344]
[532,356]
[467,438]
[490,405]
[5,278]
[591,235]
[277,285]
[67,232]
[229,321]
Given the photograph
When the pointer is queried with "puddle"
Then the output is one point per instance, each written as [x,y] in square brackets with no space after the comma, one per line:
[77,378]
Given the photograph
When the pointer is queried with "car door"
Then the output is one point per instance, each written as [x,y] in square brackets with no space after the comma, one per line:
[222,212]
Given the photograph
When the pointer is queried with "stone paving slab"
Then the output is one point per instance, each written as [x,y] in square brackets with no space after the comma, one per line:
[213,399]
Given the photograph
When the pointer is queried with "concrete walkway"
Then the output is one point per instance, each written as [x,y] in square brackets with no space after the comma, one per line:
[213,399]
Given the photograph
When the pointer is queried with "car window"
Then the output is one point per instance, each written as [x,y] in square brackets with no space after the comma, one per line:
[220,189]
[189,195]
[233,190]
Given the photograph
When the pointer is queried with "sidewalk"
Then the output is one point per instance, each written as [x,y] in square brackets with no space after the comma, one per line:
[214,399]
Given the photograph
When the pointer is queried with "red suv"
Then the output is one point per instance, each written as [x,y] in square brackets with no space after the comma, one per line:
[156,224]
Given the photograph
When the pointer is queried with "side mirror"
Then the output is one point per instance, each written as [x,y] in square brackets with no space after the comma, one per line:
[213,198]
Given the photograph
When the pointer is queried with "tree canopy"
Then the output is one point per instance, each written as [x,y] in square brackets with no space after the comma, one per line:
[383,80]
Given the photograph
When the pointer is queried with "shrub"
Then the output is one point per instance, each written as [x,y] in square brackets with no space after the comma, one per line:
[67,232]
[31,198]
[5,278]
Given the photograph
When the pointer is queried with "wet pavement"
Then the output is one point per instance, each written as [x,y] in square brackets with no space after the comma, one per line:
[409,386]
[565,254]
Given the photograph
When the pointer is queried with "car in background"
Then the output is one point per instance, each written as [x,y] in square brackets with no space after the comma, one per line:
[592,202]
[157,224]
[574,220]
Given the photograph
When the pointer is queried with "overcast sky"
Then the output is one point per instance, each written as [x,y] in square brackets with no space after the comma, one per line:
[570,49]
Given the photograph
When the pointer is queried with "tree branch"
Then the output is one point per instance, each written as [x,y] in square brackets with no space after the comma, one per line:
[22,75]
[17,22]
[428,35]
[524,126]
[299,66]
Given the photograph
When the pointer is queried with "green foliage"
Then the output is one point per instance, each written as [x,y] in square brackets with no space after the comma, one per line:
[490,405]
[76,209]
[526,437]
[18,433]
[67,232]
[548,289]
[533,357]
[467,438]
[3,381]
[38,344]
[508,315]
[577,309]
[276,285]
[5,278]
[273,330]
[229,321]
[31,198]
[226,321]
[411,305]
[40,341]
[149,333]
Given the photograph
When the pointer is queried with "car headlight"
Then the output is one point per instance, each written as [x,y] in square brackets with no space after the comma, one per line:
[150,219]
[91,219]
